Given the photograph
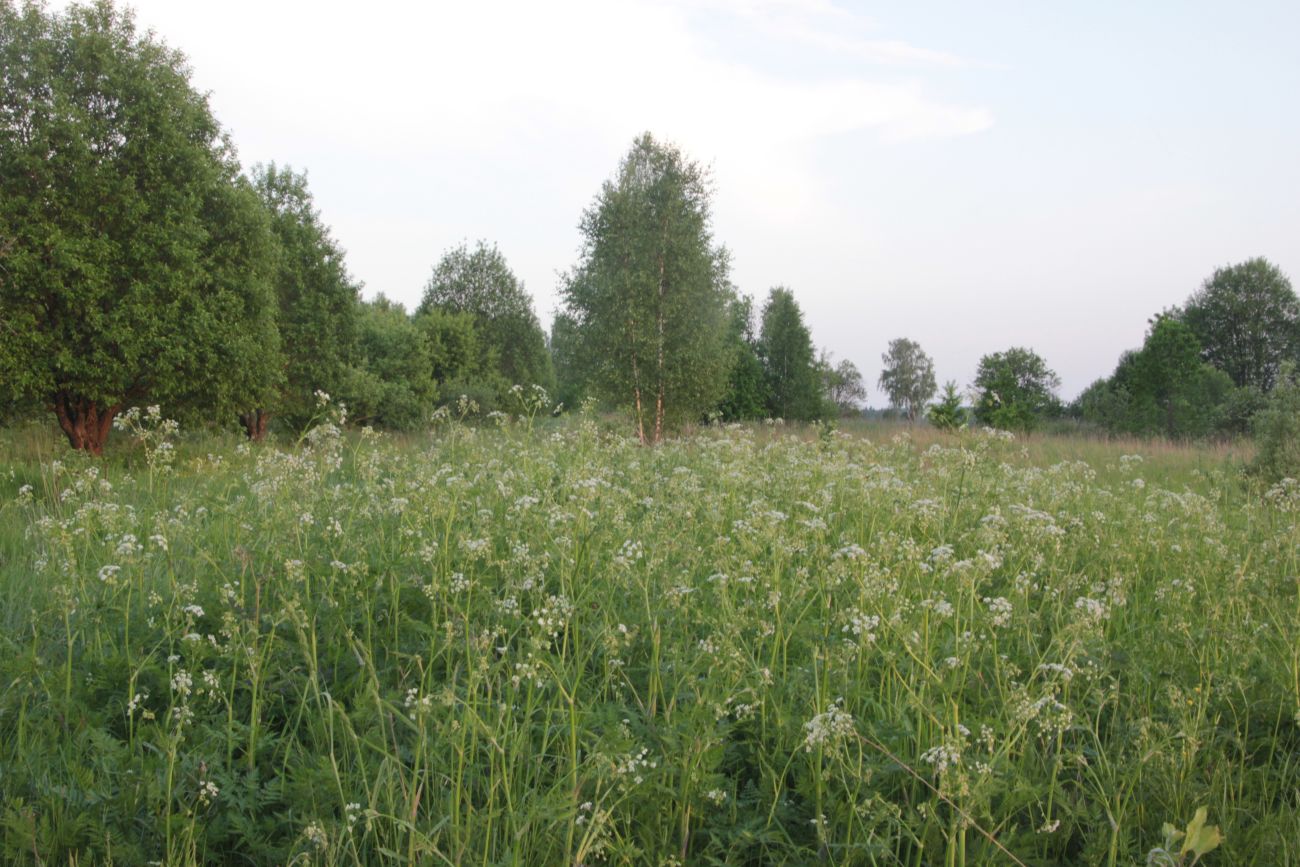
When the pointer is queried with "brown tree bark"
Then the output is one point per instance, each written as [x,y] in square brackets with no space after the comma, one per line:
[636,385]
[254,423]
[659,340]
[636,395]
[85,423]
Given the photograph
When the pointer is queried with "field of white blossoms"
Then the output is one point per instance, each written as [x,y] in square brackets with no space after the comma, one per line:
[546,645]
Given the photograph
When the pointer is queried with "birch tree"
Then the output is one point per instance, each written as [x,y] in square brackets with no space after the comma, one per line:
[648,298]
[907,377]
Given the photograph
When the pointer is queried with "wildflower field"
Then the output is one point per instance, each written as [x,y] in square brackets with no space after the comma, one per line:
[545,645]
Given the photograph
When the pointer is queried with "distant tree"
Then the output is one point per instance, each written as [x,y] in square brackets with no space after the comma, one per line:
[842,384]
[568,361]
[138,263]
[317,299]
[1165,388]
[648,299]
[1277,429]
[1172,390]
[746,395]
[391,381]
[948,414]
[1247,319]
[479,282]
[785,345]
[1015,389]
[907,377]
[1104,404]
[1238,409]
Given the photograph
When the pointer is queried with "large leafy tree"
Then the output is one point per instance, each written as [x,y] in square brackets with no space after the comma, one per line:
[137,265]
[317,299]
[907,377]
[1015,389]
[479,282]
[1247,319]
[648,298]
[785,345]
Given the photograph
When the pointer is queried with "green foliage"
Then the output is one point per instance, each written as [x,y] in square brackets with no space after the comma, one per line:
[136,265]
[1179,846]
[391,384]
[455,348]
[1015,390]
[1165,388]
[794,384]
[747,394]
[511,345]
[842,384]
[1277,429]
[748,647]
[1236,412]
[648,299]
[907,377]
[1247,319]
[317,306]
[568,361]
[1172,390]
[948,414]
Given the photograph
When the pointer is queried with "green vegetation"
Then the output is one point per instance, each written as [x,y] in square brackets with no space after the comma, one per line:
[948,414]
[648,300]
[535,641]
[511,348]
[1277,429]
[137,262]
[548,645]
[794,384]
[318,312]
[1015,390]
[1247,318]
[907,377]
[1207,368]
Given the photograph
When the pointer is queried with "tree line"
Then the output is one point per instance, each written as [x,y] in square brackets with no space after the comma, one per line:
[139,264]
[1208,367]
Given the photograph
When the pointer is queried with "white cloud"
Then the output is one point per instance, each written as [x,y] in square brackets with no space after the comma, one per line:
[825,26]
[422,125]
[484,74]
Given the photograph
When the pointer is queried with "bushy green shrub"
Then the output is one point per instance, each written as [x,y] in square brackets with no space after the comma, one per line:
[1277,429]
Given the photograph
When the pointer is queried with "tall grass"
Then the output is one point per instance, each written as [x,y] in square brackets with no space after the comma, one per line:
[535,645]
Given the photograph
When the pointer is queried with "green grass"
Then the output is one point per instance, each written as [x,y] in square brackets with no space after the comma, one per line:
[551,646]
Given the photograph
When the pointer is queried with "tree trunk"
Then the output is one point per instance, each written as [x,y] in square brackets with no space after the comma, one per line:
[636,394]
[636,384]
[84,422]
[659,343]
[254,423]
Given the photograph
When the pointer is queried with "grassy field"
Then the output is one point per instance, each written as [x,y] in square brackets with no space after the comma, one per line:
[537,645]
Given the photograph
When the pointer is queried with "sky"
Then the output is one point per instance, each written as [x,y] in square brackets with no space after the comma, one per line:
[973,176]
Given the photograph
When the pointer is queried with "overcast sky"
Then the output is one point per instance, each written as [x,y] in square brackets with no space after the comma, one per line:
[974,176]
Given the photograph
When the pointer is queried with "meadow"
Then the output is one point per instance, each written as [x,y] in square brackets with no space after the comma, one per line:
[534,642]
